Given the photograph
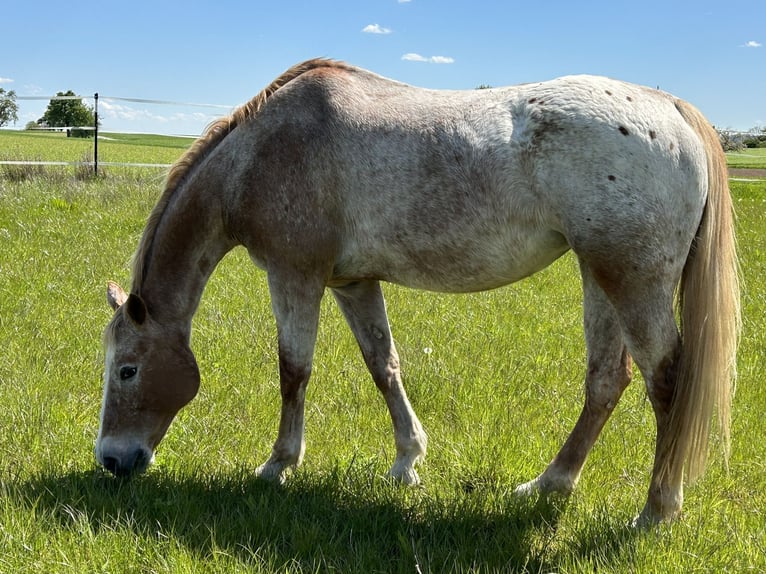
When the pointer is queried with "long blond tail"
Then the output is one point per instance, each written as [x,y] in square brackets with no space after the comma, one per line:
[710,320]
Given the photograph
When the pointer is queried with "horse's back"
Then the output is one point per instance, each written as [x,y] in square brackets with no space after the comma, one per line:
[462,190]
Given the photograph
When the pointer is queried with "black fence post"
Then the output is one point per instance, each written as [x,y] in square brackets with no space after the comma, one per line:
[95,136]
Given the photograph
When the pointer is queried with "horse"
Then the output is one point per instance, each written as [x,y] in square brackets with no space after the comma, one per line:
[335,178]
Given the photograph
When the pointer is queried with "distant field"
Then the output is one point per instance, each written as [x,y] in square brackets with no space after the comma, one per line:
[126,148]
[747,159]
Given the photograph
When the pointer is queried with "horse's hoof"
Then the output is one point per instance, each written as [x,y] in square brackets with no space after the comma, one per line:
[527,489]
[649,518]
[405,475]
[543,485]
[271,472]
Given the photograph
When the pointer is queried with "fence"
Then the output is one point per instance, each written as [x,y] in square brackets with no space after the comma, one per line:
[95,128]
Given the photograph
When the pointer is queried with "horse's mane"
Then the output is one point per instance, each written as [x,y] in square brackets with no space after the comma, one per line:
[212,136]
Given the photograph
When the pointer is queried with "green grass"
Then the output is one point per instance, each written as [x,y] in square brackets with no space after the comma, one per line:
[125,148]
[749,158]
[498,392]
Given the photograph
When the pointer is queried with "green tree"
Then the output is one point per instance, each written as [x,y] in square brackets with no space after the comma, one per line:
[67,112]
[9,110]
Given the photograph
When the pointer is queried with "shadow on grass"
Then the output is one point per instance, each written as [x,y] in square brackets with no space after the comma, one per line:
[336,521]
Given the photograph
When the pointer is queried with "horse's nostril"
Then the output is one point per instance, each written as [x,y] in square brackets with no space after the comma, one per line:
[127,463]
[141,461]
[111,464]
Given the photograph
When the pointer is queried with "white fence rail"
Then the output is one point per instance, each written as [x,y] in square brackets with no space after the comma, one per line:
[89,163]
[95,163]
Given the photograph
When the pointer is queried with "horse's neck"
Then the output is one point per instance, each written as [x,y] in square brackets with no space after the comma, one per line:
[188,244]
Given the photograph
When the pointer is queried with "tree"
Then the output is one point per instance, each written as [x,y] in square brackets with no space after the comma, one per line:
[731,140]
[9,110]
[71,112]
[756,137]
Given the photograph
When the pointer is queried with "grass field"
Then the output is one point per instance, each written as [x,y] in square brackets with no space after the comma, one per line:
[748,159]
[496,378]
[118,148]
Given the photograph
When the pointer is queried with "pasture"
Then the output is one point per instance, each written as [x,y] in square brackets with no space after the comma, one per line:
[748,159]
[495,377]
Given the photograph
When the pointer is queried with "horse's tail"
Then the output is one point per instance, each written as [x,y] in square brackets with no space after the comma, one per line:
[710,319]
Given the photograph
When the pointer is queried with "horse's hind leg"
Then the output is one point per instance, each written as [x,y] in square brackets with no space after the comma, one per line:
[644,304]
[364,308]
[609,372]
[295,302]
[655,344]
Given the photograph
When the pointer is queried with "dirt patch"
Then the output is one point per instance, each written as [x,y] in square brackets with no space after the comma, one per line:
[747,173]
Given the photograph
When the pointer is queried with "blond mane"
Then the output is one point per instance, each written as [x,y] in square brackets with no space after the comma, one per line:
[212,136]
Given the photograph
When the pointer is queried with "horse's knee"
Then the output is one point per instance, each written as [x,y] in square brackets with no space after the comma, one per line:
[293,378]
[385,373]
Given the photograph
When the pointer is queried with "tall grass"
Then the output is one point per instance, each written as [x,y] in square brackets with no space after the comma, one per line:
[496,378]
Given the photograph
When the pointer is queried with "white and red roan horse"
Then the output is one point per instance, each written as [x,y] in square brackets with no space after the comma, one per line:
[334,177]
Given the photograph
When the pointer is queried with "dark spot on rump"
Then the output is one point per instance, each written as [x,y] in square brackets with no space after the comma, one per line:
[532,100]
[672,146]
[612,178]
[608,93]
[624,131]
[653,134]
[630,99]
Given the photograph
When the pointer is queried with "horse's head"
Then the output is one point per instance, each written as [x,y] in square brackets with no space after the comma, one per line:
[150,374]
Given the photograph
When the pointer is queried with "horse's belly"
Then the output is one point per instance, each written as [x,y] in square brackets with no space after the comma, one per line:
[473,265]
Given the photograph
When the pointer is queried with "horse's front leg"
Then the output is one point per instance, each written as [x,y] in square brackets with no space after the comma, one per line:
[365,310]
[296,308]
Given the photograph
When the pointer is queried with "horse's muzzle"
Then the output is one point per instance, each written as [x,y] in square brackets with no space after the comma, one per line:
[127,463]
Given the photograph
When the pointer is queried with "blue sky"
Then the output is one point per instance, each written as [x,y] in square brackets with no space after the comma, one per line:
[709,52]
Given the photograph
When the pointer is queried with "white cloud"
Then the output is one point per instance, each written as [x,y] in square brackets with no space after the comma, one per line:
[753,44]
[413,57]
[113,111]
[404,1]
[375,29]
[5,80]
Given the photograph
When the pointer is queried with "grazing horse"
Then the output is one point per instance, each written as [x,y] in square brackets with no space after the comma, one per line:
[334,177]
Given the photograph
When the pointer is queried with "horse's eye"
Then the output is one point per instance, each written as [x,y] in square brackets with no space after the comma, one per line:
[127,372]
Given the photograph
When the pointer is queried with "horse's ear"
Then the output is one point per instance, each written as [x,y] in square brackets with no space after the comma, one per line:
[136,309]
[115,295]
